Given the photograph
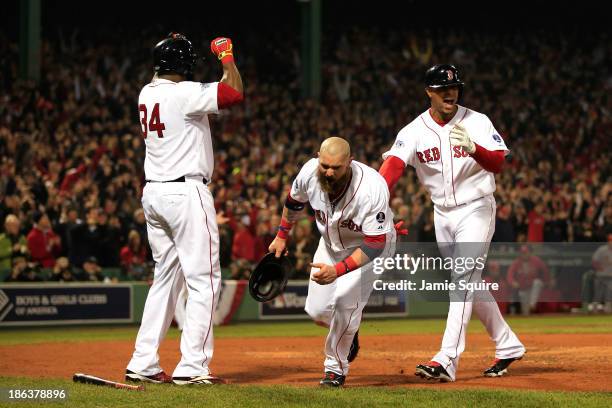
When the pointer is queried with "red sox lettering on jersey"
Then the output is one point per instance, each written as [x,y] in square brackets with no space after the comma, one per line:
[365,209]
[464,211]
[455,157]
[450,175]
[348,224]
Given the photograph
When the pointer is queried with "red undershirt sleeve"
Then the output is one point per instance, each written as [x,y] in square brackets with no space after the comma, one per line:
[490,160]
[392,169]
[375,241]
[227,96]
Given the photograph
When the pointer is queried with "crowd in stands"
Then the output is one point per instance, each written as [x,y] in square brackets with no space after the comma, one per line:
[71,149]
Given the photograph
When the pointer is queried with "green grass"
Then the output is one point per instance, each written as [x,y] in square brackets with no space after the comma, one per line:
[535,324]
[80,395]
[289,396]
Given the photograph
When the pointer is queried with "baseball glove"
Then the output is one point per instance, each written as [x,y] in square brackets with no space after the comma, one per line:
[269,278]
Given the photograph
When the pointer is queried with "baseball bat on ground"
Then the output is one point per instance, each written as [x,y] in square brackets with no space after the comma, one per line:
[90,379]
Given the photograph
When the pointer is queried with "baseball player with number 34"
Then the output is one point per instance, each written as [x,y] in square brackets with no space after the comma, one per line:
[455,152]
[179,207]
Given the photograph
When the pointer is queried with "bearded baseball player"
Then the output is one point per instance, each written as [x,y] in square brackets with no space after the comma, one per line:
[455,152]
[351,205]
[179,209]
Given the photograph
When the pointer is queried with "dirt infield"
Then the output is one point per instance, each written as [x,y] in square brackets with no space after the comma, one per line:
[553,361]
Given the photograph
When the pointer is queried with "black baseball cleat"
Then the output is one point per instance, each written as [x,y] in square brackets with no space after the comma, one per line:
[159,378]
[354,348]
[500,367]
[432,371]
[332,380]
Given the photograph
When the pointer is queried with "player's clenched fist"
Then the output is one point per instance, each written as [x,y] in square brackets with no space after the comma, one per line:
[460,137]
[222,47]
[325,275]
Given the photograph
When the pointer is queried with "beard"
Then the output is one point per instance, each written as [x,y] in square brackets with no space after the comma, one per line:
[331,186]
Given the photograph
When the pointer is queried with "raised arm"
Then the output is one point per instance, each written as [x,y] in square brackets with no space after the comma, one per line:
[230,91]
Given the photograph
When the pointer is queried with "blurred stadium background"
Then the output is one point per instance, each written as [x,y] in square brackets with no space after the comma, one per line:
[71,153]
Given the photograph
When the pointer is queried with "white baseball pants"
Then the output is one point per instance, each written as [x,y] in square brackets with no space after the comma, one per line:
[184,238]
[472,224]
[340,304]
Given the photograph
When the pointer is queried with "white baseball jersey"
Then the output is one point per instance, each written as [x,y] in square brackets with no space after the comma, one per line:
[174,122]
[363,209]
[464,212]
[451,176]
[181,224]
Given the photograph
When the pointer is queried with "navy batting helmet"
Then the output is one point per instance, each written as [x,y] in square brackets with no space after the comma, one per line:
[174,54]
[269,278]
[443,75]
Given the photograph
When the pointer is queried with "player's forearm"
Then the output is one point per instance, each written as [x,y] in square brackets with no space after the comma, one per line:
[391,170]
[354,261]
[289,216]
[291,213]
[490,160]
[371,248]
[231,77]
[287,222]
[229,92]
